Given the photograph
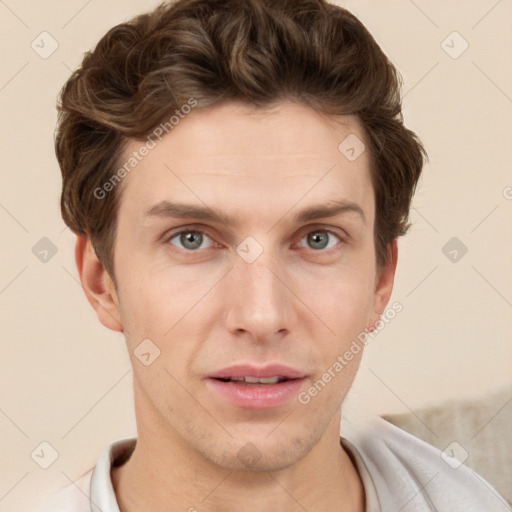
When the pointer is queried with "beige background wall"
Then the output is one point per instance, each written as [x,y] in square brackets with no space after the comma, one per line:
[66,380]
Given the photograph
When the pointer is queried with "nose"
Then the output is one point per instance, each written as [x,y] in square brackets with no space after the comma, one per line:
[259,303]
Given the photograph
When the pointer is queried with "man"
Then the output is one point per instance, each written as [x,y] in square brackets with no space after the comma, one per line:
[237,174]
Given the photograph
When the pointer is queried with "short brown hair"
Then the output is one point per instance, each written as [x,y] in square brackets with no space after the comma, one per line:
[257,51]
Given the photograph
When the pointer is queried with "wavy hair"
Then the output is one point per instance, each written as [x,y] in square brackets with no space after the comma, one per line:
[256,51]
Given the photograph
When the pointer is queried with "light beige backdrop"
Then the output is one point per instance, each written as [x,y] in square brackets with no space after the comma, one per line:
[66,380]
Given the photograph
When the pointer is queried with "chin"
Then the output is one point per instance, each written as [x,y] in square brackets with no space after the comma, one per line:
[261,454]
[261,463]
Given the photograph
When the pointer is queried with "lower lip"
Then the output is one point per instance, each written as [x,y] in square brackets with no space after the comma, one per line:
[256,396]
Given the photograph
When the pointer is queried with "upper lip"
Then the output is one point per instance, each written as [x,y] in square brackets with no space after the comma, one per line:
[250,370]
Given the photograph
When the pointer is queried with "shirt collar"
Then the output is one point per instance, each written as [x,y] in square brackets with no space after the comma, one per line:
[103,496]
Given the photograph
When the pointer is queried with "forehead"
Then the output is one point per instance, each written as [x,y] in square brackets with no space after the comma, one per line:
[239,157]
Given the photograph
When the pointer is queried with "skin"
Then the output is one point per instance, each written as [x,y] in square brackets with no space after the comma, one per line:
[206,309]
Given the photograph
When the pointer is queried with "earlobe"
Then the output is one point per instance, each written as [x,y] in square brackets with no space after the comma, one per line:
[384,285]
[97,284]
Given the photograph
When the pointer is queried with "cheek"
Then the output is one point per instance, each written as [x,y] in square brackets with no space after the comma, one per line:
[170,306]
[346,309]
[344,301]
[149,293]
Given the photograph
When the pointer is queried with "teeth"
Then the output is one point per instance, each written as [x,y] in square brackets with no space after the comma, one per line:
[256,380]
[262,380]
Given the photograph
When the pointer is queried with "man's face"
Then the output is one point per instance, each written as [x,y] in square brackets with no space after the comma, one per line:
[262,293]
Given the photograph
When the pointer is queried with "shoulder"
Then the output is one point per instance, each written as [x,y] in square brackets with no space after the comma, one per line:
[414,476]
[74,497]
[94,489]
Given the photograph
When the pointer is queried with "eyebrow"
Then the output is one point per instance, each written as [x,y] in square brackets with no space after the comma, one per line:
[181,211]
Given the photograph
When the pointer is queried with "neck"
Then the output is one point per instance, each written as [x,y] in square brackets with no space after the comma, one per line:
[165,474]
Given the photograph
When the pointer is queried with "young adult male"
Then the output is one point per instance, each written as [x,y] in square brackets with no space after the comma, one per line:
[237,174]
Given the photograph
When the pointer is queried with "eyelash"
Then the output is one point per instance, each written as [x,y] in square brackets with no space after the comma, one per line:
[167,239]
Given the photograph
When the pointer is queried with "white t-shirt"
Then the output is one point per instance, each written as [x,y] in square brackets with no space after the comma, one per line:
[400,473]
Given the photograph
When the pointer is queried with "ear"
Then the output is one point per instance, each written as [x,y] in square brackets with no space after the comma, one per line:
[97,284]
[384,284]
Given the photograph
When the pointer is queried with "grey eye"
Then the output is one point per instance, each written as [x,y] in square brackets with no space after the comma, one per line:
[190,240]
[321,239]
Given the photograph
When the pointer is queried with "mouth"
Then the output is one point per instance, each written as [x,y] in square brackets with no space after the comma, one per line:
[252,381]
[252,387]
